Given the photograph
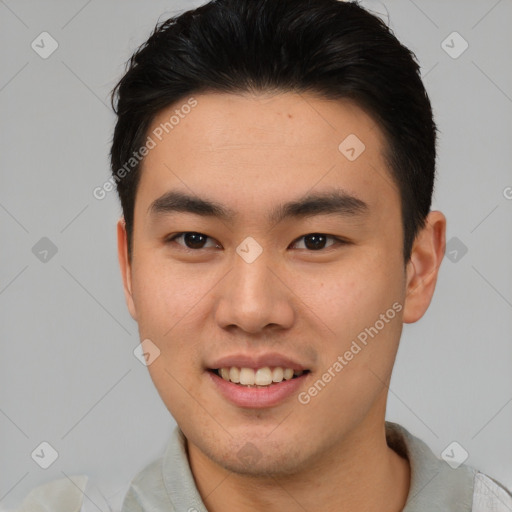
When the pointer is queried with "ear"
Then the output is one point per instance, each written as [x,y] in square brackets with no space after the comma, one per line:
[124,264]
[423,267]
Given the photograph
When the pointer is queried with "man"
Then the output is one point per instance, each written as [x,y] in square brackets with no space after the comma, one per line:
[275,163]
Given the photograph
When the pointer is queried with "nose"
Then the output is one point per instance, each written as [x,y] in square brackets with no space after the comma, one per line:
[254,297]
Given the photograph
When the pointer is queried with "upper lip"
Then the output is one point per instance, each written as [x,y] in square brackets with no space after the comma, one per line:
[256,361]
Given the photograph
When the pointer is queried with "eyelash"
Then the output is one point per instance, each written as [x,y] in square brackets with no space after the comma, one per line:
[172,238]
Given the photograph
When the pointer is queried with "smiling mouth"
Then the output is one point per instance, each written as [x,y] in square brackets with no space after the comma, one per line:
[257,378]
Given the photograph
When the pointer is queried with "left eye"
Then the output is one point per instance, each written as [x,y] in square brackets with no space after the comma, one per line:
[316,241]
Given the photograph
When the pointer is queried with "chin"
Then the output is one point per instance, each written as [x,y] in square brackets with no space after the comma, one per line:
[262,465]
[257,453]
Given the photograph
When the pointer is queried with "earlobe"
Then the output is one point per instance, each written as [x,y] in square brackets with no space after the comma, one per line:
[125,266]
[423,267]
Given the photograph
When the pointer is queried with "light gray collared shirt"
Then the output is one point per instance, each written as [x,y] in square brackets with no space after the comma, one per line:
[167,484]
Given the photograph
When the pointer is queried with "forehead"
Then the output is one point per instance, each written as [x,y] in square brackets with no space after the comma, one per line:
[239,146]
[224,121]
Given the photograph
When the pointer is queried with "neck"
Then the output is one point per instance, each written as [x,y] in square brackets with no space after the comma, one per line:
[361,474]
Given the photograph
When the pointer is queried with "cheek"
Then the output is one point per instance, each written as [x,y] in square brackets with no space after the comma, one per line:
[169,302]
[363,313]
[351,295]
[171,313]
[166,294]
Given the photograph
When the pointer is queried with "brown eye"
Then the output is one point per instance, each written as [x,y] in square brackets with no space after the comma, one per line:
[317,241]
[192,240]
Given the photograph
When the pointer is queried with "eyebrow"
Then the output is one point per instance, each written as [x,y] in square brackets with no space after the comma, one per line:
[333,202]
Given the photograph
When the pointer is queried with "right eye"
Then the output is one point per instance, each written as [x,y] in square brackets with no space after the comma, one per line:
[191,240]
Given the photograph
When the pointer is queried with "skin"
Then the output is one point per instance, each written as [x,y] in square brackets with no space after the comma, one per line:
[250,153]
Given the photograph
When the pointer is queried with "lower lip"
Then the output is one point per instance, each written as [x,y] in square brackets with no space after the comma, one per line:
[256,398]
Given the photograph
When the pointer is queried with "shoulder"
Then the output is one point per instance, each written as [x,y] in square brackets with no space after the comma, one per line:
[445,483]
[65,495]
[489,495]
[166,483]
[147,483]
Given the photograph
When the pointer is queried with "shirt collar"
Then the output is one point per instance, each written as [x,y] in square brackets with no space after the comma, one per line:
[435,486]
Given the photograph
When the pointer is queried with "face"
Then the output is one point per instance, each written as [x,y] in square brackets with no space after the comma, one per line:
[295,261]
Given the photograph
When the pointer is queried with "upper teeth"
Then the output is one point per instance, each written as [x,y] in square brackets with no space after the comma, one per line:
[259,377]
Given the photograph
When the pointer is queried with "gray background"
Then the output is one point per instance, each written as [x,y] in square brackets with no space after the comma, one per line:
[68,373]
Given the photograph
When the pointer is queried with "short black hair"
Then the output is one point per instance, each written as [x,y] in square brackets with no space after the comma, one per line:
[331,48]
